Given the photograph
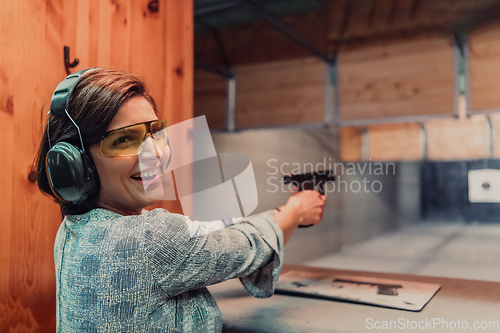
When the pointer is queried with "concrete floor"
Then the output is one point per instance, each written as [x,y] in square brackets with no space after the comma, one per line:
[457,250]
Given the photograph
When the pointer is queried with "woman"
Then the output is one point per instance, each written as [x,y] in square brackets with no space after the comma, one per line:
[122,269]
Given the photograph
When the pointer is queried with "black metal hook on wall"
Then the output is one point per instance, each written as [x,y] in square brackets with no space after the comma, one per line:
[153,6]
[68,64]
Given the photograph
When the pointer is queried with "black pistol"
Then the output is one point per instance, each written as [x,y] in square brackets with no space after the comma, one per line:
[310,181]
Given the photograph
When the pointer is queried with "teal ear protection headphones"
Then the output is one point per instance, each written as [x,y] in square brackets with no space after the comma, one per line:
[71,174]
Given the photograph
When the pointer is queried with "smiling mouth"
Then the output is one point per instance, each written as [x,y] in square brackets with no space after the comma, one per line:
[147,175]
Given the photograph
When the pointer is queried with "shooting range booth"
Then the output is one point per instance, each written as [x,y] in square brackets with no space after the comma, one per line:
[399,99]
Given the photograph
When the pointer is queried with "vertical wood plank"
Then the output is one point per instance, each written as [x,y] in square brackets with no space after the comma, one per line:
[6,149]
[47,211]
[6,168]
[178,65]
[82,41]
[120,35]
[27,260]
[56,28]
[147,47]
[94,32]
[6,137]
[178,68]
[188,63]
[105,11]
[29,26]
[70,9]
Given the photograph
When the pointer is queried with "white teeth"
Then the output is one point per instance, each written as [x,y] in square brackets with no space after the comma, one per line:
[150,173]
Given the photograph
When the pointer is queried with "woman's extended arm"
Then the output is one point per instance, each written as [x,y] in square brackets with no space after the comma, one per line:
[182,258]
[302,208]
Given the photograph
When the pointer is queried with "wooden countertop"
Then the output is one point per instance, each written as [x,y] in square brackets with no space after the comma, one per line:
[458,303]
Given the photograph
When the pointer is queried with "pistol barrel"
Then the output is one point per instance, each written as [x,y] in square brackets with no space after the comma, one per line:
[310,181]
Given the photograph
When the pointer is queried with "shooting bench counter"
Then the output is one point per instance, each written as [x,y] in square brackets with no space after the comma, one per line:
[457,301]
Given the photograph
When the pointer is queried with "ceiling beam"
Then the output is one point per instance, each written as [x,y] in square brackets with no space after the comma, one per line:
[481,17]
[212,69]
[214,8]
[284,30]
[218,40]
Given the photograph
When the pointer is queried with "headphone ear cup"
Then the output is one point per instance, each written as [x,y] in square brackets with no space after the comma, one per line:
[71,176]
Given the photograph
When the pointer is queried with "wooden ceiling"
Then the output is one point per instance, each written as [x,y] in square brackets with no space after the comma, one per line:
[210,14]
[342,24]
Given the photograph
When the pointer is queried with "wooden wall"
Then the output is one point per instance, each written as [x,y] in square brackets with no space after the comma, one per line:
[121,34]
[258,42]
[210,98]
[476,136]
[410,78]
[269,94]
[395,142]
[280,93]
[395,60]
[458,139]
[343,23]
[407,78]
[361,22]
[442,139]
[351,144]
[484,64]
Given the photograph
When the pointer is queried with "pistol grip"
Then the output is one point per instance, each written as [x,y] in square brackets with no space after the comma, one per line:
[319,188]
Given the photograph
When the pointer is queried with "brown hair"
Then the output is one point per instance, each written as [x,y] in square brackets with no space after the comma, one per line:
[93,103]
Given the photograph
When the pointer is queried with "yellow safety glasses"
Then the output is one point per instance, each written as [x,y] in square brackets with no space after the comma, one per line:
[126,141]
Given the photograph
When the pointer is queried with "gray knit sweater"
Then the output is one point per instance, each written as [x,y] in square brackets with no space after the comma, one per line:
[148,273]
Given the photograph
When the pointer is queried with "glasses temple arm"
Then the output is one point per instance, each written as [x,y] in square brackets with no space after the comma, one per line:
[78,129]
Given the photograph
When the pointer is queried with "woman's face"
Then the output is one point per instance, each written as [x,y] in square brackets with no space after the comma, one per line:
[120,192]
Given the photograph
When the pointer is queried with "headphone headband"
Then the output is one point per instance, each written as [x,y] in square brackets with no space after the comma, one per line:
[62,94]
